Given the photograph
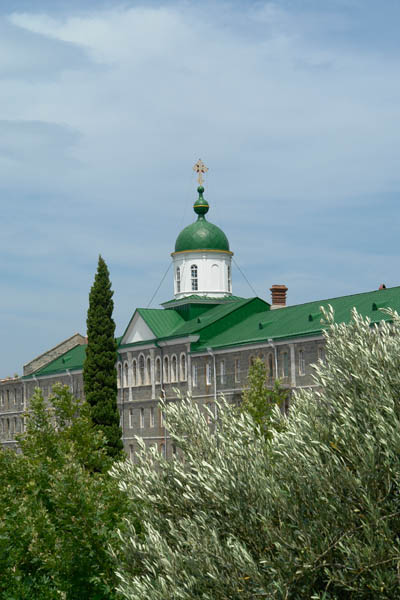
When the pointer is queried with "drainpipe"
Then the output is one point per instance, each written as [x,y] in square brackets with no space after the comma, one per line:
[272,345]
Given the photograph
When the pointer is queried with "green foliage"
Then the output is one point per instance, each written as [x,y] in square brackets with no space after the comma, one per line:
[99,373]
[258,400]
[318,516]
[59,508]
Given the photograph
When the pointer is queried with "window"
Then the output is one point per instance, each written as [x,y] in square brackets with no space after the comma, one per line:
[141,418]
[131,452]
[229,279]
[162,450]
[173,450]
[152,416]
[148,370]
[178,280]
[183,373]
[174,368]
[208,374]
[130,418]
[141,369]
[302,363]
[134,373]
[126,375]
[195,283]
[270,366]
[166,369]
[222,372]
[237,370]
[158,369]
[119,371]
[285,364]
[194,376]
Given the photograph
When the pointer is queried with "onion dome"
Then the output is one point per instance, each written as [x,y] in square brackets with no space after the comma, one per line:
[201,235]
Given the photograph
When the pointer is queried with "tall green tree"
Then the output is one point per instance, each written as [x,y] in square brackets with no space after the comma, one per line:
[99,372]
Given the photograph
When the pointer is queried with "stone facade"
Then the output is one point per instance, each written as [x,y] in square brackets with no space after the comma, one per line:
[147,373]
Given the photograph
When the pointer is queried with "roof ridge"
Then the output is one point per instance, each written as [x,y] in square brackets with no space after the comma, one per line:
[339,297]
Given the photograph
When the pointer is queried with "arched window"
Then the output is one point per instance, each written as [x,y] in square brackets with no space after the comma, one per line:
[194,375]
[119,375]
[141,369]
[134,372]
[208,374]
[222,372]
[126,375]
[183,373]
[195,282]
[7,426]
[158,369]
[174,368]
[148,370]
[178,280]
[229,279]
[166,370]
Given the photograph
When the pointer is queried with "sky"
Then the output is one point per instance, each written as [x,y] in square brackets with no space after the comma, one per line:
[294,106]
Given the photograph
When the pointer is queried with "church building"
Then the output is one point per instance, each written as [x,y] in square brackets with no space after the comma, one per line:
[200,342]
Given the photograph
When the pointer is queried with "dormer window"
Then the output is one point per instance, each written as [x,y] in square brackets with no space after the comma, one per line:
[194,276]
[178,280]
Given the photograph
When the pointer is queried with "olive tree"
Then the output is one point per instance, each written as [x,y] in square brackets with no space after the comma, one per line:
[316,514]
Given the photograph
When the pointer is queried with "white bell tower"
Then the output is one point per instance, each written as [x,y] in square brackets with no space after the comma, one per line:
[202,259]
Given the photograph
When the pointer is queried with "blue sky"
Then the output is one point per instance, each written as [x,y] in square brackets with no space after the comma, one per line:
[105,107]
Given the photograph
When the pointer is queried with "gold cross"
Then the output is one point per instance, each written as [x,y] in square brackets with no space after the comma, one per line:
[200,168]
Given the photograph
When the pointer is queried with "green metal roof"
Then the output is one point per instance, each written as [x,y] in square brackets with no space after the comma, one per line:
[245,321]
[218,314]
[162,322]
[72,359]
[302,319]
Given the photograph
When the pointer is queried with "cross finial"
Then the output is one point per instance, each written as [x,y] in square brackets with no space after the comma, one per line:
[200,168]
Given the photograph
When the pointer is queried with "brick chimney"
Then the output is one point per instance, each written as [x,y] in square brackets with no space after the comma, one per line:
[278,293]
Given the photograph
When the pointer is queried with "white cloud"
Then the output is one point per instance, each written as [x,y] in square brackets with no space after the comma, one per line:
[105,112]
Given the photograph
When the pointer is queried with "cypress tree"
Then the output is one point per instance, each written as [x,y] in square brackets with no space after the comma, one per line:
[99,372]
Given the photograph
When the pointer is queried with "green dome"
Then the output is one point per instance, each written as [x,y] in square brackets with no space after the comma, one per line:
[201,235]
